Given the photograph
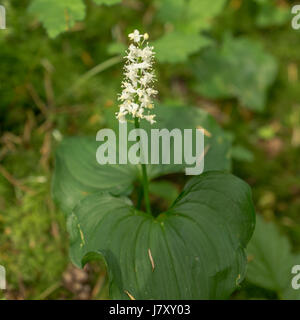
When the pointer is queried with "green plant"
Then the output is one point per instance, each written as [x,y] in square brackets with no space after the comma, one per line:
[193,250]
[244,55]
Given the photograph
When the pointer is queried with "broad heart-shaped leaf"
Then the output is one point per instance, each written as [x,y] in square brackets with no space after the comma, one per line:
[239,69]
[78,174]
[195,250]
[58,15]
[176,46]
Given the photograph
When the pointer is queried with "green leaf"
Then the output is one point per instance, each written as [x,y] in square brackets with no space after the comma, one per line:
[270,257]
[271,260]
[171,11]
[195,250]
[217,142]
[58,15]
[78,174]
[189,15]
[240,153]
[176,46]
[271,15]
[291,294]
[200,14]
[239,69]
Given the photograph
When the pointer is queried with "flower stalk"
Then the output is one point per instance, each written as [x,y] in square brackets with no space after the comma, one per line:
[137,93]
[144,177]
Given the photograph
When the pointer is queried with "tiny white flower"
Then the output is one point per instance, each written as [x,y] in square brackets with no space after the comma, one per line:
[140,92]
[147,78]
[135,36]
[137,92]
[150,118]
[134,108]
[133,53]
[121,117]
[132,75]
[138,66]
[145,101]
[123,110]
[139,113]
[151,92]
[125,96]
[147,53]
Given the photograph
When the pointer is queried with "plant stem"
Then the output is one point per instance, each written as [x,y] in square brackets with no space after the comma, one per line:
[145,177]
[92,72]
[140,197]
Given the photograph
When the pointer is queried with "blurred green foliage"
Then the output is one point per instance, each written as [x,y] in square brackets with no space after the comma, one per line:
[238,60]
[220,76]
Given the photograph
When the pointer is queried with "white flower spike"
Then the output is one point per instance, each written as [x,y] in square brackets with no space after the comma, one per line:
[139,76]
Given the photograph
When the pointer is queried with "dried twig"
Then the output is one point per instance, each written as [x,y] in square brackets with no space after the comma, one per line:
[151,259]
[14,181]
[129,295]
[98,286]
[37,100]
[46,151]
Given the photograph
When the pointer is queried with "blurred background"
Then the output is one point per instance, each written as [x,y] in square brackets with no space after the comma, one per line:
[61,68]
